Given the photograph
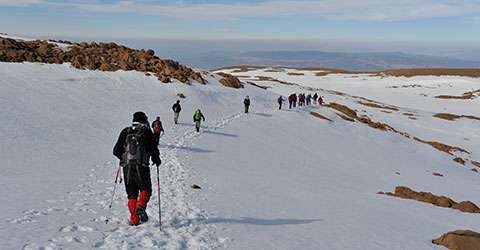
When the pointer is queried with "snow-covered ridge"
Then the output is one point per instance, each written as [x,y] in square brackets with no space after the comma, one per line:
[270,179]
[371,95]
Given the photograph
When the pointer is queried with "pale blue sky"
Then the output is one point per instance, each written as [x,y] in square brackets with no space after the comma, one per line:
[347,21]
[274,19]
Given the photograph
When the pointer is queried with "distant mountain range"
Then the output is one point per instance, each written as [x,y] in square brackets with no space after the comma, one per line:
[313,58]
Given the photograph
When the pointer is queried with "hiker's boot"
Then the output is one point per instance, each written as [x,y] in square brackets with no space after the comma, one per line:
[142,214]
[143,199]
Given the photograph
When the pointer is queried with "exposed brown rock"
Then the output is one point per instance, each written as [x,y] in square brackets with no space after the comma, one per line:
[441,201]
[93,56]
[319,116]
[181,95]
[459,160]
[230,81]
[107,67]
[195,186]
[466,206]
[474,170]
[459,240]
[437,174]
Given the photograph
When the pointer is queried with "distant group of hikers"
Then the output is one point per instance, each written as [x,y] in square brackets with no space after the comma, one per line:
[135,146]
[301,99]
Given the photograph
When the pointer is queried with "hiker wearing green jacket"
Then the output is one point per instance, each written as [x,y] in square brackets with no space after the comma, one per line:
[196,118]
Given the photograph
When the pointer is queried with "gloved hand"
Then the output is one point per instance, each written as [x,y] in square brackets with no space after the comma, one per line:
[157,161]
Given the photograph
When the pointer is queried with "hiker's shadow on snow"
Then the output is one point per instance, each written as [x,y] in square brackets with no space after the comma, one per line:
[263,114]
[196,150]
[186,124]
[261,222]
[219,133]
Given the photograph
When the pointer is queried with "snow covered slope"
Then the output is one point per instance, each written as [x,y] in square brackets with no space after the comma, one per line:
[271,179]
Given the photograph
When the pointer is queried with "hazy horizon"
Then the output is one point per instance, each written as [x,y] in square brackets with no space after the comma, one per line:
[186,49]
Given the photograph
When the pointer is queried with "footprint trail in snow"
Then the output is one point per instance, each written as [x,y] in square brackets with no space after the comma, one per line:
[183,224]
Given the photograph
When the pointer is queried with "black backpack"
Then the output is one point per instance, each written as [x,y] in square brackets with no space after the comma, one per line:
[135,149]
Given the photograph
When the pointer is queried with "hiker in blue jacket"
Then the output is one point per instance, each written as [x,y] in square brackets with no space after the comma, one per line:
[280,100]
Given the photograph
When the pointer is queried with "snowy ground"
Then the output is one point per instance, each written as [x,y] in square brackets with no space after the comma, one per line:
[271,179]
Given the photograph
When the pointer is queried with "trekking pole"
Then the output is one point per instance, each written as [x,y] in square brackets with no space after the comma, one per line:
[113,194]
[159,205]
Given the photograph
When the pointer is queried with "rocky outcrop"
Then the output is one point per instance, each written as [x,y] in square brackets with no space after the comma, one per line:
[441,201]
[97,56]
[459,240]
[230,81]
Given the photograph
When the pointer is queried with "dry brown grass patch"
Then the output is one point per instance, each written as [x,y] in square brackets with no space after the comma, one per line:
[271,79]
[477,164]
[342,108]
[464,96]
[350,113]
[295,74]
[452,117]
[442,147]
[432,72]
[346,118]
[242,68]
[401,72]
[374,105]
[256,85]
[319,116]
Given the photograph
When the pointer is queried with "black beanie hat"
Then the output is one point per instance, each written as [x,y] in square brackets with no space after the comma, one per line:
[140,117]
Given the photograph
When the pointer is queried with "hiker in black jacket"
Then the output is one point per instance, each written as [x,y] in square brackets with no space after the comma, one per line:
[136,168]
[246,102]
[176,109]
